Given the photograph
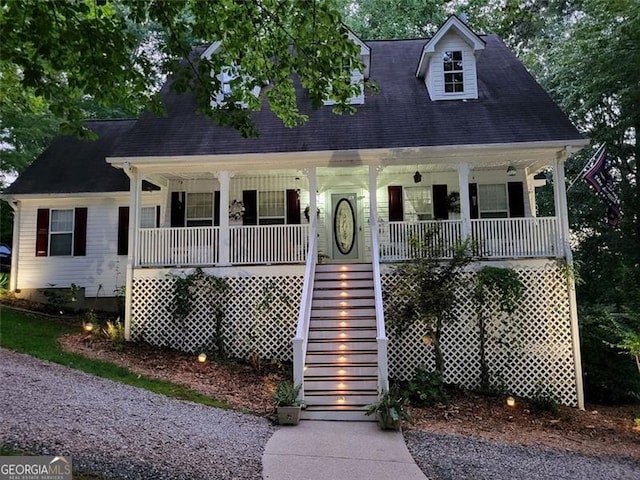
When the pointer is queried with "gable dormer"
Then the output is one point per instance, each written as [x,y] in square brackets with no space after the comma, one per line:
[358,76]
[448,62]
[226,76]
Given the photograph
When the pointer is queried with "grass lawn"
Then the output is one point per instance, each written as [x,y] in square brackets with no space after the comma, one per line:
[39,337]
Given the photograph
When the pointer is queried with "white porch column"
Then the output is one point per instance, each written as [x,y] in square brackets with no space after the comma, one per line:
[224,178]
[465,207]
[312,179]
[15,246]
[373,195]
[135,190]
[562,212]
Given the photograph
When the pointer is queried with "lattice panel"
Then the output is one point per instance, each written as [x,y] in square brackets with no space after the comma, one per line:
[259,318]
[532,348]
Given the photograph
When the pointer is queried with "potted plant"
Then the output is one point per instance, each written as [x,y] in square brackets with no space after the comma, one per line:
[390,410]
[287,403]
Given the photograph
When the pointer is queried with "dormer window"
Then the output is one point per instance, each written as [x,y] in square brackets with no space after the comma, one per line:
[453,74]
[448,62]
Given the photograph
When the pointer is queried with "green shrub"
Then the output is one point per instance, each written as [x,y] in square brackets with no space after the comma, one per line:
[610,375]
[425,388]
[543,400]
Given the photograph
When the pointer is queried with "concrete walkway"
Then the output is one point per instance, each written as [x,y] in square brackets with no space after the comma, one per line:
[318,450]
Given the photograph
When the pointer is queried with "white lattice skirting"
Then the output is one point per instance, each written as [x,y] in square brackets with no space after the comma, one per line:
[531,348]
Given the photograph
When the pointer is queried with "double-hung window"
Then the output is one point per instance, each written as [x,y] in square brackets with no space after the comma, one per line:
[453,72]
[199,210]
[419,202]
[271,207]
[493,202]
[61,232]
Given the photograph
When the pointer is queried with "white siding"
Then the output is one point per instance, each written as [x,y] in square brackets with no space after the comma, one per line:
[434,78]
[100,269]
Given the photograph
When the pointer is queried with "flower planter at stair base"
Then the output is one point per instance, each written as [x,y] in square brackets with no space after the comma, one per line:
[289,415]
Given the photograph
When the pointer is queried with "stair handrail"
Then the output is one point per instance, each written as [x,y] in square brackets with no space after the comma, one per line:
[381,336]
[302,330]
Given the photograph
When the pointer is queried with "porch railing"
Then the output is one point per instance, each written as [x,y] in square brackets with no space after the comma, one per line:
[199,246]
[494,238]
[268,244]
[515,237]
[182,246]
[381,335]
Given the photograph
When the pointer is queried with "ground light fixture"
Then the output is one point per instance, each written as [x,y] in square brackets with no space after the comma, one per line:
[87,327]
[511,402]
[202,358]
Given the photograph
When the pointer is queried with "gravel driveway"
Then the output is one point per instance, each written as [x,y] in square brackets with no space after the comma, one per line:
[454,457]
[125,432]
[121,431]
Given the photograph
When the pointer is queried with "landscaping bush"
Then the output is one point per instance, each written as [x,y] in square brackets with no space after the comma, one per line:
[610,374]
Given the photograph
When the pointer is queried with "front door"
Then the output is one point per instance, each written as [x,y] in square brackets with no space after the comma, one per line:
[344,226]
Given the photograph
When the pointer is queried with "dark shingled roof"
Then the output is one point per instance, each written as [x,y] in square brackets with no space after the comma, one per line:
[511,108]
[70,165]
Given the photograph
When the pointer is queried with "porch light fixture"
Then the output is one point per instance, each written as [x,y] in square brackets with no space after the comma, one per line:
[511,170]
[511,402]
[417,178]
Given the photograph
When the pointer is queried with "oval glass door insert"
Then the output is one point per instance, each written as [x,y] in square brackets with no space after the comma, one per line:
[344,226]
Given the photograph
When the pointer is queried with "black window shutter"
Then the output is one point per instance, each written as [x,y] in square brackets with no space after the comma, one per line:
[473,199]
[157,216]
[80,232]
[440,202]
[293,207]
[216,208]
[516,199]
[250,200]
[123,230]
[42,232]
[396,207]
[177,209]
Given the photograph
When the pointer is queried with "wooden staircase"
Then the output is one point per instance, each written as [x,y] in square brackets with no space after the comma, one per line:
[341,369]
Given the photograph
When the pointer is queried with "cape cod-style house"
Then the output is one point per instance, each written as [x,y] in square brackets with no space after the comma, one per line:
[306,224]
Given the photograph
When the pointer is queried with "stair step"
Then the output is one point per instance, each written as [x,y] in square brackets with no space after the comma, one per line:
[346,324]
[340,399]
[342,303]
[330,276]
[352,371]
[342,294]
[365,384]
[343,312]
[340,358]
[344,346]
[316,334]
[337,415]
[347,267]
[342,284]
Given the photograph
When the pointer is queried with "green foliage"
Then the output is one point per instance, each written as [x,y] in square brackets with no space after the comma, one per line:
[186,288]
[39,338]
[505,285]
[543,400]
[390,408]
[388,19]
[505,282]
[58,299]
[609,377]
[114,332]
[271,40]
[286,394]
[4,283]
[426,291]
[425,388]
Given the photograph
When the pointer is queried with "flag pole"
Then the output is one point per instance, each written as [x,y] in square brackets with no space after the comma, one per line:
[586,166]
